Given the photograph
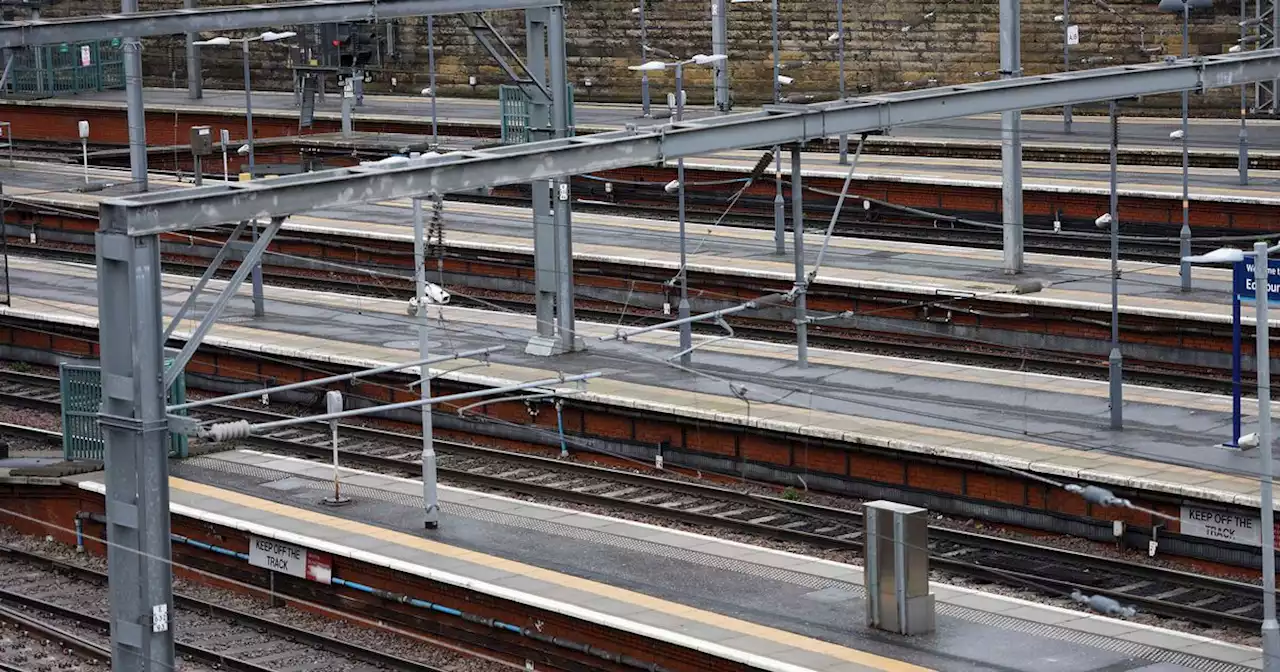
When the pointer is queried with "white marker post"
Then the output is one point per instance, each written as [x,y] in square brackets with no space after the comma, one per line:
[333,404]
[84,147]
[226,166]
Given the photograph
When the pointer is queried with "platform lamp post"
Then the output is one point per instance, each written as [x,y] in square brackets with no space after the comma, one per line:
[1261,273]
[839,37]
[1065,19]
[644,51]
[686,328]
[1115,363]
[1184,7]
[269,36]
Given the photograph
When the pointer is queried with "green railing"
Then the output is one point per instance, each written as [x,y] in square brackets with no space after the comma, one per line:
[514,105]
[60,69]
[81,387]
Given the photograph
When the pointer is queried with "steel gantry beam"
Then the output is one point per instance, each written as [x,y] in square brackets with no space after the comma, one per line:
[237,17]
[185,209]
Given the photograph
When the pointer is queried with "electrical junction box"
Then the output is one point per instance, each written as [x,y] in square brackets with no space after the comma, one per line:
[201,141]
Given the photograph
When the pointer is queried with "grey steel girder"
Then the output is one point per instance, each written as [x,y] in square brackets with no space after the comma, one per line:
[236,17]
[185,209]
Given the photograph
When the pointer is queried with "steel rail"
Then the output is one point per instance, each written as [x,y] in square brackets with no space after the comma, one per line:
[313,639]
[844,517]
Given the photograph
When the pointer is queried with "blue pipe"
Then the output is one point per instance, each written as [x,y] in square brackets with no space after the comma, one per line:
[622,659]
[564,449]
[79,535]
[209,547]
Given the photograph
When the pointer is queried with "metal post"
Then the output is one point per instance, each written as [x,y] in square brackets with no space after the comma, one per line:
[1244,111]
[1184,270]
[1011,136]
[248,106]
[797,216]
[333,404]
[644,56]
[255,278]
[348,94]
[195,85]
[682,312]
[1114,362]
[844,138]
[431,82]
[430,498]
[564,190]
[197,171]
[1270,627]
[137,115]
[1236,373]
[719,45]
[779,207]
[544,240]
[136,438]
[1066,59]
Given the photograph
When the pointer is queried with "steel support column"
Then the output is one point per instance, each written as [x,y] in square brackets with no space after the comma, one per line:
[430,496]
[136,437]
[801,288]
[137,116]
[563,205]
[720,45]
[195,76]
[544,240]
[1115,363]
[1011,136]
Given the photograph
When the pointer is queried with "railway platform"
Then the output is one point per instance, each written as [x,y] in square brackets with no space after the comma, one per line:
[926,270]
[1045,130]
[744,407]
[757,607]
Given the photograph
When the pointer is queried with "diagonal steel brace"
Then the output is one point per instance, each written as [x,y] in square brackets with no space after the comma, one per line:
[233,285]
[502,52]
[204,280]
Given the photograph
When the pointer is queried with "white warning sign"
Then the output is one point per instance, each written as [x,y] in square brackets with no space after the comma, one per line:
[1213,524]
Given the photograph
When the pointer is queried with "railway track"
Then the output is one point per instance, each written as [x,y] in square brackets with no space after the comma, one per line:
[30,643]
[218,637]
[1048,570]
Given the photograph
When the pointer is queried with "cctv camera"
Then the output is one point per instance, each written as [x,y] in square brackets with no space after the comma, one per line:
[1104,220]
[672,186]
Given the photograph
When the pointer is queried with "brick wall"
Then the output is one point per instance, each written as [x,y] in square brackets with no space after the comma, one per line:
[947,40]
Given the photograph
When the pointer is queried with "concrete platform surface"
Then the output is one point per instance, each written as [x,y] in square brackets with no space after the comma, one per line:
[929,270]
[1053,426]
[790,608]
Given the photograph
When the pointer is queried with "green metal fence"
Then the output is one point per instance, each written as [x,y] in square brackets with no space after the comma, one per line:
[59,69]
[514,105]
[81,387]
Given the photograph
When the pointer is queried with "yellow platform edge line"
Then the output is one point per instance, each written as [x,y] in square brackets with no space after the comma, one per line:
[836,651]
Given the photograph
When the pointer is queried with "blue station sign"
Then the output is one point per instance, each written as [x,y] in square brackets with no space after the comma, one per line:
[1245,284]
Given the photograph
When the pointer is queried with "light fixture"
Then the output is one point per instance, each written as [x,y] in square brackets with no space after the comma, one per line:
[785,80]
[426,91]
[635,10]
[1222,255]
[271,36]
[213,42]
[703,59]
[834,37]
[650,66]
[244,150]
[1103,220]
[672,186]
[1058,18]
[1176,135]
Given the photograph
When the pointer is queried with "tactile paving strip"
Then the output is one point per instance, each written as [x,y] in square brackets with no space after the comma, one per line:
[1137,650]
